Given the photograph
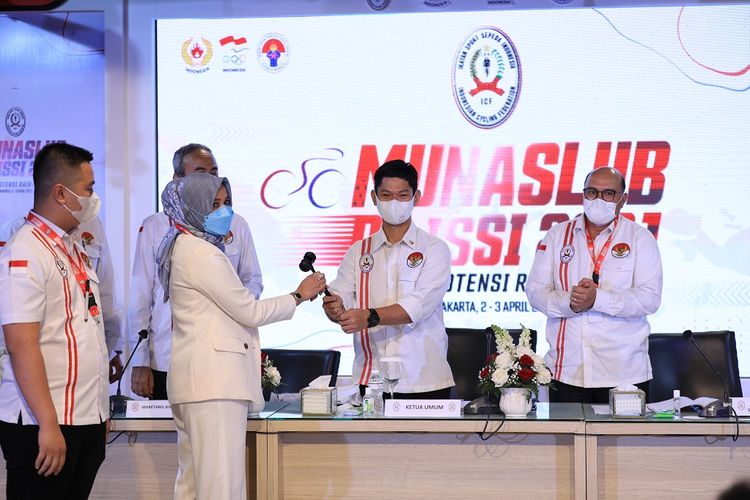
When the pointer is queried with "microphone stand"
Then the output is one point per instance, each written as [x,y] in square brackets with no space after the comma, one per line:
[118,403]
[719,409]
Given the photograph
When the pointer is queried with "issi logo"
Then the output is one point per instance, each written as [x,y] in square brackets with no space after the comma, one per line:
[197,54]
[486,77]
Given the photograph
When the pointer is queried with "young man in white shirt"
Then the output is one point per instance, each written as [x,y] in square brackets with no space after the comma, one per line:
[596,278]
[93,239]
[147,309]
[54,392]
[389,292]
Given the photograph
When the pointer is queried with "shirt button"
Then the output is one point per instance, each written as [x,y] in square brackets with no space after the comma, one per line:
[245,346]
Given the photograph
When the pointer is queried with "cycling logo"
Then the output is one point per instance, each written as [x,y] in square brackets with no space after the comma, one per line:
[273,192]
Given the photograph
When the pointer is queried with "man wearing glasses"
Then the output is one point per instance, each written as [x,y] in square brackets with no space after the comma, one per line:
[596,278]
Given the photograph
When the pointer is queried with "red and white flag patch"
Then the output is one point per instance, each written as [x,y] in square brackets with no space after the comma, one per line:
[18,266]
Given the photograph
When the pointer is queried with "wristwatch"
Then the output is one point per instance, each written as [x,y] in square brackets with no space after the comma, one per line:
[297,297]
[373,319]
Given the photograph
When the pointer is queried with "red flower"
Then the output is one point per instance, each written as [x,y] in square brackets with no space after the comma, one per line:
[526,360]
[484,373]
[263,356]
[526,373]
[491,358]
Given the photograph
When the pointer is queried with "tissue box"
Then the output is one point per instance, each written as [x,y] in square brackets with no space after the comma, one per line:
[627,403]
[318,401]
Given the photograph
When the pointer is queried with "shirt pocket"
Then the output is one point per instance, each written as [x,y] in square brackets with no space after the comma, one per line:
[618,275]
[95,253]
[407,279]
[230,344]
[233,253]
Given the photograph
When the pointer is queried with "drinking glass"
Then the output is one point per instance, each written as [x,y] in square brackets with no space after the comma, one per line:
[391,371]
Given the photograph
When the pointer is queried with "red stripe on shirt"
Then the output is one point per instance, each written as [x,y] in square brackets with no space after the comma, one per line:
[69,337]
[564,282]
[364,337]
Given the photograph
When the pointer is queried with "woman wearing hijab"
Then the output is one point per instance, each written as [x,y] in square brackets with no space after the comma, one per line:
[215,368]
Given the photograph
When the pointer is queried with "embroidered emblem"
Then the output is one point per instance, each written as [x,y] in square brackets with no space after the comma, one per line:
[229,238]
[566,254]
[61,267]
[87,238]
[620,251]
[366,262]
[414,259]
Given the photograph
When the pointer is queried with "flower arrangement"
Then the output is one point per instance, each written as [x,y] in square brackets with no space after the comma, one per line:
[270,378]
[513,365]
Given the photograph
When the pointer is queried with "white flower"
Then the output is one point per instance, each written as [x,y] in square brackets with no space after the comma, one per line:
[543,376]
[503,361]
[500,377]
[273,375]
[528,351]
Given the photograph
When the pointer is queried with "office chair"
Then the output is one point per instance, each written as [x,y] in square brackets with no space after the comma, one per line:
[299,367]
[677,364]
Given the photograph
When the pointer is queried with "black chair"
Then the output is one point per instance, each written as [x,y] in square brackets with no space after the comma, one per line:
[677,364]
[299,367]
[468,349]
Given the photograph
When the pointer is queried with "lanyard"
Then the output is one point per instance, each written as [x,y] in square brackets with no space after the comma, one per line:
[597,260]
[79,269]
[181,228]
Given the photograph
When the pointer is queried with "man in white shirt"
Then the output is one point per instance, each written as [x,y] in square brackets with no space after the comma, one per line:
[596,278]
[54,393]
[147,309]
[389,292]
[93,239]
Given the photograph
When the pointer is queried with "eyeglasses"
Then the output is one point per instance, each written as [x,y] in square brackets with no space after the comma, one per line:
[593,193]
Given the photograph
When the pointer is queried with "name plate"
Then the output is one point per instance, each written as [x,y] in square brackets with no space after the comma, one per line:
[417,408]
[157,408]
[741,406]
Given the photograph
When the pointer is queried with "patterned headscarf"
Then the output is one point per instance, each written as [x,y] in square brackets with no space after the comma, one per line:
[187,201]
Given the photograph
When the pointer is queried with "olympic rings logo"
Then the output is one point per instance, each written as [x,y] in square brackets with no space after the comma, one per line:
[234,59]
[277,178]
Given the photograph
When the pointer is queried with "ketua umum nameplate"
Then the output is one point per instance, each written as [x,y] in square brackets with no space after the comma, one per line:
[420,408]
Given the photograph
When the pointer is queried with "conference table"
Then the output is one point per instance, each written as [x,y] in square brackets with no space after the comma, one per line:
[559,451]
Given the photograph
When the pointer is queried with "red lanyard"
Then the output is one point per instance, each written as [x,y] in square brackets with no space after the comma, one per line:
[79,269]
[181,228]
[600,258]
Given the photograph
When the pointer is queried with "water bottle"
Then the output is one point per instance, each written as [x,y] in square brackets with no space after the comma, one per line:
[375,384]
[676,404]
[368,403]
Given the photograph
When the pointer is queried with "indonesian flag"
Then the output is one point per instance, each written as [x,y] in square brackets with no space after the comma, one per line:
[18,266]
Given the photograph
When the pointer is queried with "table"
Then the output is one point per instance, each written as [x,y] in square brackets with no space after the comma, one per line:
[663,459]
[542,456]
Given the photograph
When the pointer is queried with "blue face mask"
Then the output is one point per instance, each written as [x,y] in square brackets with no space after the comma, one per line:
[219,221]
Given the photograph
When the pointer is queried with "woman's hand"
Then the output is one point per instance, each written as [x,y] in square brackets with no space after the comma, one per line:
[312,286]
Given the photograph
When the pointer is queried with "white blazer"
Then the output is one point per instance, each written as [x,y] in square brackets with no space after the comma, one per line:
[215,342]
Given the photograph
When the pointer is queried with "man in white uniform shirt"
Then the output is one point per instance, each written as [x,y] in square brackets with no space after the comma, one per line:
[54,392]
[389,292]
[147,309]
[596,278]
[93,239]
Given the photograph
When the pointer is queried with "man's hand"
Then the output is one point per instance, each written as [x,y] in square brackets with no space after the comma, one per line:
[354,320]
[583,295]
[115,369]
[333,306]
[142,381]
[51,457]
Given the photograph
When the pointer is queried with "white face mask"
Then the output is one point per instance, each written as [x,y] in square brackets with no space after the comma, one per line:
[395,212]
[599,212]
[89,207]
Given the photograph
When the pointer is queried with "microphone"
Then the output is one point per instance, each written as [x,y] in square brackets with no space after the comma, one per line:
[118,403]
[723,408]
[306,264]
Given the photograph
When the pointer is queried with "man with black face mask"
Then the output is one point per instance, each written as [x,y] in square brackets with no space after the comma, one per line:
[596,278]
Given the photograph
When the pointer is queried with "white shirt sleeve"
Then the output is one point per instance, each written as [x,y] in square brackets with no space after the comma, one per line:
[431,285]
[540,285]
[23,291]
[644,297]
[142,285]
[345,283]
[110,309]
[248,268]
